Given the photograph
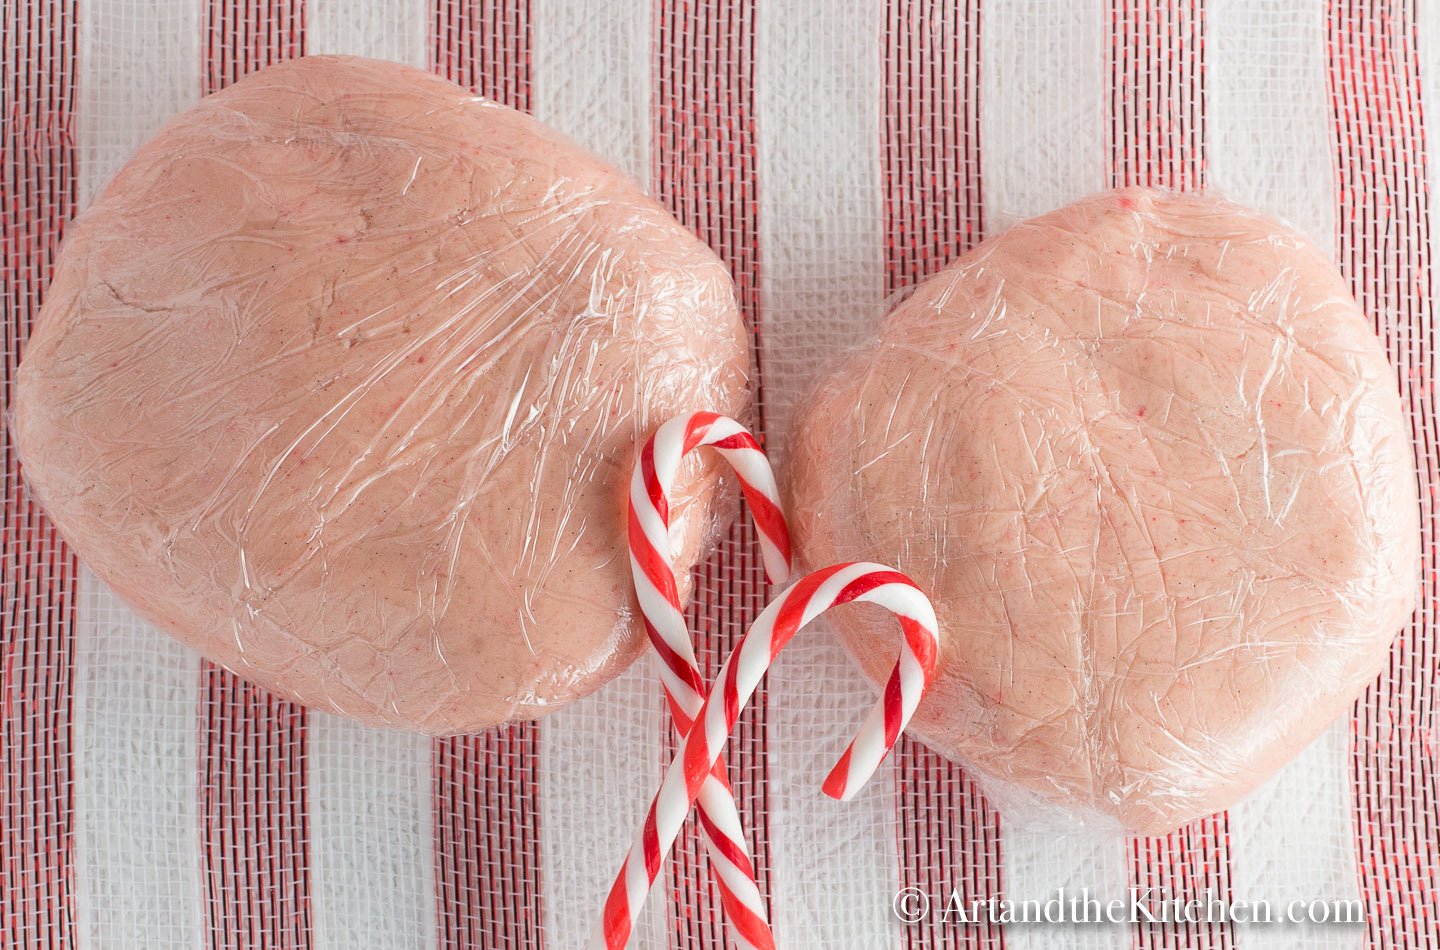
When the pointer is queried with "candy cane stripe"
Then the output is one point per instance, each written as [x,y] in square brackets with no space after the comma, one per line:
[691,769]
[657,595]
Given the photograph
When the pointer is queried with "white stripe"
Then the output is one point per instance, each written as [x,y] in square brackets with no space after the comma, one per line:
[1042,128]
[722,429]
[669,443]
[137,780]
[651,524]
[592,77]
[396,30]
[601,758]
[138,65]
[1294,839]
[371,801]
[1269,137]
[821,214]
[600,764]
[1046,860]
[372,845]
[137,829]
[1043,84]
[1271,147]
[834,866]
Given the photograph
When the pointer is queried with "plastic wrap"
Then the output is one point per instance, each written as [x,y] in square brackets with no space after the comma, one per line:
[1148,456]
[339,381]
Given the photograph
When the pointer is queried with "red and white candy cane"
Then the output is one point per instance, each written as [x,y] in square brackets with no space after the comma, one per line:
[654,575]
[773,629]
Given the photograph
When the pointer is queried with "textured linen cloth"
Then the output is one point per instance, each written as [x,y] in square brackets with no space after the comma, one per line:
[833,154]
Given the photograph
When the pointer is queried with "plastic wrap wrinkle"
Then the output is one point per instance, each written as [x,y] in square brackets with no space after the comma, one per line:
[1148,457]
[339,380]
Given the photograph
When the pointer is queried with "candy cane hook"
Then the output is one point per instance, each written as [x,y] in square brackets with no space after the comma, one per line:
[741,675]
[654,575]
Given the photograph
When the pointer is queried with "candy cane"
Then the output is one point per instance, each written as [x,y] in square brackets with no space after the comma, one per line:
[773,629]
[654,575]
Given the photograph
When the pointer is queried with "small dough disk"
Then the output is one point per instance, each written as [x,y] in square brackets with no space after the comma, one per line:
[340,379]
[1148,456]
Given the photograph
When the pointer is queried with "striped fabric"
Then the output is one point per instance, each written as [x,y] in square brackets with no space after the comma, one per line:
[833,153]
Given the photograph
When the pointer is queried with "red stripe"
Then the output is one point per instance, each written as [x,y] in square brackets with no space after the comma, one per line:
[245,35]
[839,778]
[253,814]
[742,918]
[697,428]
[787,621]
[653,490]
[949,837]
[704,170]
[487,813]
[486,839]
[652,563]
[255,862]
[484,45]
[1157,93]
[726,845]
[931,143]
[740,440]
[1189,864]
[1383,220]
[37,901]
[948,833]
[894,697]
[682,671]
[1157,138]
[769,519]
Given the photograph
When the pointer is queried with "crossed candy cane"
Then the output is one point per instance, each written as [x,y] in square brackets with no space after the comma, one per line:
[772,630]
[654,575]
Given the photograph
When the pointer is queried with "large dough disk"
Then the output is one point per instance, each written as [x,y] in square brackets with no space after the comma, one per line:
[340,379]
[1148,456]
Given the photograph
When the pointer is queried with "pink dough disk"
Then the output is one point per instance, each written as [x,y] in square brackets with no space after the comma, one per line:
[340,379]
[1148,457]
